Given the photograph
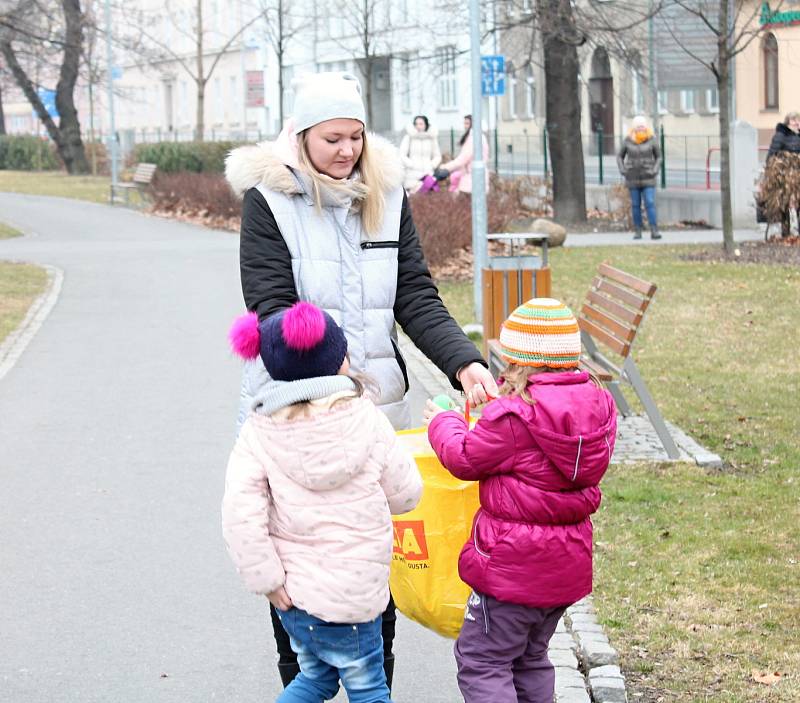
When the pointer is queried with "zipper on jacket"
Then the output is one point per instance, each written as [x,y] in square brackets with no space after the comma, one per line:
[387,244]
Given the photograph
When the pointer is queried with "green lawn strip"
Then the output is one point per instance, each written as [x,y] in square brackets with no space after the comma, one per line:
[6,231]
[59,183]
[20,284]
[697,572]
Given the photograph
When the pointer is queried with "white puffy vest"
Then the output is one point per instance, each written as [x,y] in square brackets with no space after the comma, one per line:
[353,278]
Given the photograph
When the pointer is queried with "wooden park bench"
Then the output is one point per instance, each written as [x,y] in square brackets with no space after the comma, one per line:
[611,316]
[142,178]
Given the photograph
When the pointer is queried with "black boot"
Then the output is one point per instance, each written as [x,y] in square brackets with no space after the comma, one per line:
[637,234]
[288,672]
[388,667]
[654,232]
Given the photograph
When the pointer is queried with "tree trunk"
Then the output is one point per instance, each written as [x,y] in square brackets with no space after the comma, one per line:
[563,110]
[200,77]
[72,150]
[723,88]
[2,115]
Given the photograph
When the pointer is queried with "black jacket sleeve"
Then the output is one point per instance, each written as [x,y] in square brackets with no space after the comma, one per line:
[420,311]
[778,142]
[264,260]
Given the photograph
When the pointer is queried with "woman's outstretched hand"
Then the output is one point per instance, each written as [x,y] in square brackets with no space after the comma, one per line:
[478,383]
[280,599]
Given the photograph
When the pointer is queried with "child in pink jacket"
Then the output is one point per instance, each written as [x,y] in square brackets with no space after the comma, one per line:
[539,450]
[311,484]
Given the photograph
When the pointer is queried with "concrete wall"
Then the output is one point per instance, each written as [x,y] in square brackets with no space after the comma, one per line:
[673,205]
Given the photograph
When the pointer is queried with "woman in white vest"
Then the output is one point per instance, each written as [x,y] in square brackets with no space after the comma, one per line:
[325,219]
[419,151]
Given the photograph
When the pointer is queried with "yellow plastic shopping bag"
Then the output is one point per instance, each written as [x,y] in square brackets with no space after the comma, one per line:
[427,541]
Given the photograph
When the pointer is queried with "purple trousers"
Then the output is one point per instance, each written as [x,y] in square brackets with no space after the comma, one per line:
[502,652]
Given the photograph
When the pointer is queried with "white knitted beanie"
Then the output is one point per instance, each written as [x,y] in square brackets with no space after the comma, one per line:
[326,96]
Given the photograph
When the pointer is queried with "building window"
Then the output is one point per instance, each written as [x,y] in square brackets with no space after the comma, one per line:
[769,52]
[405,84]
[511,90]
[236,100]
[219,101]
[712,100]
[663,102]
[530,92]
[446,68]
[687,101]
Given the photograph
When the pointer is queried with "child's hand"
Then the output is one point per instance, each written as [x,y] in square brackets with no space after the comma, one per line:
[431,410]
[280,599]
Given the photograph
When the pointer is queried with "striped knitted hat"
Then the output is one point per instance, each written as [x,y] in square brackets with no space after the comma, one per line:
[541,332]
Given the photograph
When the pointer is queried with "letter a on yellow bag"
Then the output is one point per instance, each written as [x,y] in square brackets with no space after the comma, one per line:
[427,541]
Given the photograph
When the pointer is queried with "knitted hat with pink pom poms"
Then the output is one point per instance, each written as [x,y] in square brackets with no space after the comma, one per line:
[301,342]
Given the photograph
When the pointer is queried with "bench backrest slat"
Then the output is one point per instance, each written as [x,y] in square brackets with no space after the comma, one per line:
[621,294]
[600,301]
[144,173]
[644,287]
[614,308]
[624,332]
[601,335]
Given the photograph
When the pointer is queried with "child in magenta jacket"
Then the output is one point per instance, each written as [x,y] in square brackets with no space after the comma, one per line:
[539,451]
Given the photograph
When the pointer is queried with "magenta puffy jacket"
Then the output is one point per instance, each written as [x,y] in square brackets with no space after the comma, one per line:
[538,468]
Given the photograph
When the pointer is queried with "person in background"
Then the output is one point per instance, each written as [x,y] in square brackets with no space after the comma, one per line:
[460,168]
[639,161]
[787,140]
[419,150]
[325,219]
[538,451]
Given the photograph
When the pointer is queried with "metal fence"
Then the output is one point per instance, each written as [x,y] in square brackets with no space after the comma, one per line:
[690,161]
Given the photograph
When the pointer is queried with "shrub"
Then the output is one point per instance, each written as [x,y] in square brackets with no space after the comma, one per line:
[444,220]
[172,157]
[27,153]
[203,195]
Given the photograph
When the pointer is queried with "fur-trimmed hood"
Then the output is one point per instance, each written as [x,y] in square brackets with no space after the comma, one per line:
[430,133]
[270,164]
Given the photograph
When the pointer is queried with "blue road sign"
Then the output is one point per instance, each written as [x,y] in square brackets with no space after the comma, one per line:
[48,98]
[493,75]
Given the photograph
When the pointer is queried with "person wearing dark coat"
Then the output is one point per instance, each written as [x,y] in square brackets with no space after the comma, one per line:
[787,139]
[639,161]
[326,220]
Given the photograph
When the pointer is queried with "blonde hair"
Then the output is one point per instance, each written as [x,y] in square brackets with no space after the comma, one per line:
[363,385]
[791,116]
[366,189]
[515,380]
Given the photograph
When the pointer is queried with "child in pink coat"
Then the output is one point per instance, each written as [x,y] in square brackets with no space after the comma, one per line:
[539,451]
[311,484]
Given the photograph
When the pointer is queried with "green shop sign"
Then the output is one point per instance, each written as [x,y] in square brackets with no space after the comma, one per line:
[769,18]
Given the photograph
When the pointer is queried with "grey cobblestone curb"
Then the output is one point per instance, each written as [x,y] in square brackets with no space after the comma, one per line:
[12,347]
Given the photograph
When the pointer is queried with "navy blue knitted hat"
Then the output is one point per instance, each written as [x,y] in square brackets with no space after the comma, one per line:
[300,342]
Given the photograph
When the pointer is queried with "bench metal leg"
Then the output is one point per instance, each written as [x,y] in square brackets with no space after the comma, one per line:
[622,404]
[632,374]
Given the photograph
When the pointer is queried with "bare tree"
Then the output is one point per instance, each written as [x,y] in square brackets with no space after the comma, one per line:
[2,114]
[282,24]
[726,27]
[146,40]
[44,29]
[565,28]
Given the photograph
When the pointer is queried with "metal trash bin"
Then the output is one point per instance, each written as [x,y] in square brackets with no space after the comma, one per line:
[511,279]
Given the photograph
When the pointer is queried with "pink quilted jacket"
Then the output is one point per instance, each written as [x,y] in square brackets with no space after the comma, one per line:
[538,468]
[307,505]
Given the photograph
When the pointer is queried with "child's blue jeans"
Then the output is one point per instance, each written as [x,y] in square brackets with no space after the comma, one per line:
[328,652]
[649,193]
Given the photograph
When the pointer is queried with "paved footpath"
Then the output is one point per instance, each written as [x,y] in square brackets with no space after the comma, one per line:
[115,425]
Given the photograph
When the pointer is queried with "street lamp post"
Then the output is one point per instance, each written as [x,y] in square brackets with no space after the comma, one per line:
[479,219]
[112,136]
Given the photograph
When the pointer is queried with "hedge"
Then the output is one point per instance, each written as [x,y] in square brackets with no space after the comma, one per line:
[27,153]
[173,157]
